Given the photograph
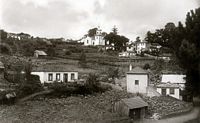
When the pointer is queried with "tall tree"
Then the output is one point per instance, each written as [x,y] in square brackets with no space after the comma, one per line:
[3,34]
[115,30]
[92,32]
[184,42]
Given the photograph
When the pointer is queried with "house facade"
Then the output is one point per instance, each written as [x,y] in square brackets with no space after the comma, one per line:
[169,89]
[96,40]
[137,80]
[52,76]
[140,46]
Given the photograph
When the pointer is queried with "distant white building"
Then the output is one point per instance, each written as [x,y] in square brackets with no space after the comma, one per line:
[136,47]
[140,46]
[175,78]
[137,80]
[170,89]
[52,74]
[13,36]
[96,40]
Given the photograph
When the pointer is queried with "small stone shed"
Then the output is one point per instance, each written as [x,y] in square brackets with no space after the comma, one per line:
[134,108]
[39,54]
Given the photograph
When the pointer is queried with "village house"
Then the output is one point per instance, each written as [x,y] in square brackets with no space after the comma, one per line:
[140,46]
[53,73]
[39,54]
[13,36]
[96,40]
[134,108]
[24,36]
[170,89]
[173,77]
[137,80]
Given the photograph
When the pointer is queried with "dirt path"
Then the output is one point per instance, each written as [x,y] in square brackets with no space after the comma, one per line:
[177,119]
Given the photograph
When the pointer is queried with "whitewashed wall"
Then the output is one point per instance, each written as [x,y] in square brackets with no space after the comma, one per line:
[44,76]
[175,95]
[143,83]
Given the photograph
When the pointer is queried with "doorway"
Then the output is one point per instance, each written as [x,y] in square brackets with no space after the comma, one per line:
[65,77]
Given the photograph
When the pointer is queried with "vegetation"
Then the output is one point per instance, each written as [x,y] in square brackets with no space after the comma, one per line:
[30,84]
[119,41]
[184,43]
[82,59]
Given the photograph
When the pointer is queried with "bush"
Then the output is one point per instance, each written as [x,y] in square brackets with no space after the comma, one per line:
[30,86]
[146,66]
[68,52]
[62,89]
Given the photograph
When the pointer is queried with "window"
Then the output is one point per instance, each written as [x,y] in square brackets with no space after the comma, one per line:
[72,76]
[87,41]
[171,90]
[50,77]
[164,92]
[136,82]
[58,76]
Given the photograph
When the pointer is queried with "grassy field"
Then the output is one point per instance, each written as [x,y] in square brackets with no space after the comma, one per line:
[79,109]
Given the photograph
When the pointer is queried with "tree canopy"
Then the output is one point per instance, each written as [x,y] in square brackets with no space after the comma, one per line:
[119,41]
[184,42]
[92,32]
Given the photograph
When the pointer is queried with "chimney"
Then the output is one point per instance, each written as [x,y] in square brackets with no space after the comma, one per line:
[130,67]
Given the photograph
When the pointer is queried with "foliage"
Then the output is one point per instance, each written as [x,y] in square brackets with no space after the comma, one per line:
[184,42]
[119,41]
[115,30]
[92,32]
[30,86]
[158,65]
[82,59]
[68,52]
[4,49]
[51,52]
[3,34]
[146,66]
[113,72]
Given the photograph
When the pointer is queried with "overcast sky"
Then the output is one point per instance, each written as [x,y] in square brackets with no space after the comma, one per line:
[73,18]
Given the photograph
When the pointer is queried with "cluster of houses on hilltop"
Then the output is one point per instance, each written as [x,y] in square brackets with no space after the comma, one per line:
[19,36]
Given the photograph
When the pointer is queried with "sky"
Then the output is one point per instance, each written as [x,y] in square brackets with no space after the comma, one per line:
[71,19]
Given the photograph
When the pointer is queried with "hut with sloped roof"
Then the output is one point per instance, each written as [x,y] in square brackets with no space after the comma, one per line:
[134,108]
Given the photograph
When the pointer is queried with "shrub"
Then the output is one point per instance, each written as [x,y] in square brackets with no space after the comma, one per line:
[62,89]
[68,52]
[29,86]
[146,66]
[82,59]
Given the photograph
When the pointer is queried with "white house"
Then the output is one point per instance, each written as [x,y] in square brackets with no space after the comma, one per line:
[170,89]
[50,75]
[137,80]
[96,40]
[172,77]
[140,46]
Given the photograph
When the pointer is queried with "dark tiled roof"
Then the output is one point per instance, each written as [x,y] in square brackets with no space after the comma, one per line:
[136,102]
[168,85]
[138,70]
[54,68]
